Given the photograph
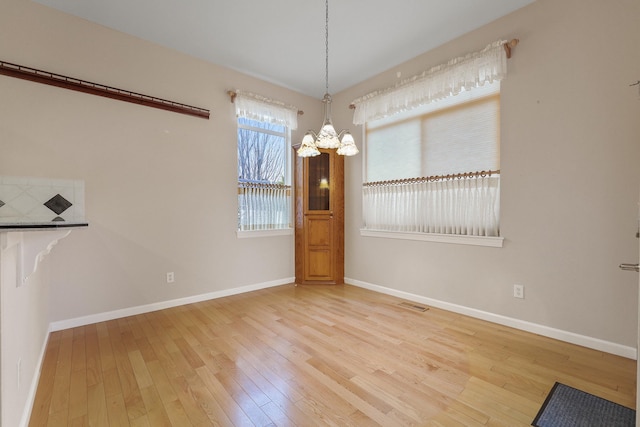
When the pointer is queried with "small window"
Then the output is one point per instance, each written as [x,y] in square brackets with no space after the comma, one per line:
[264,190]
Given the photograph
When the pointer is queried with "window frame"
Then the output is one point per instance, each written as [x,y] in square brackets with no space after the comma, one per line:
[285,231]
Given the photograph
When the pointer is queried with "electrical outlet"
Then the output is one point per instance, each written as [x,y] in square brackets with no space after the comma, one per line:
[171,277]
[518,291]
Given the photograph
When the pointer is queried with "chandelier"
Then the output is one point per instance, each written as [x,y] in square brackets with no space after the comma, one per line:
[327,137]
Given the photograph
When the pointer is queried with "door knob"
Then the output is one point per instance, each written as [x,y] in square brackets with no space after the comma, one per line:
[629,267]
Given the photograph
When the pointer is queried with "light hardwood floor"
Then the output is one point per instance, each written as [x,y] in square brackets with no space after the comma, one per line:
[314,355]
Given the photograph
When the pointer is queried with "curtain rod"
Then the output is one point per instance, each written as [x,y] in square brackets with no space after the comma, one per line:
[434,178]
[232,94]
[508,46]
[65,82]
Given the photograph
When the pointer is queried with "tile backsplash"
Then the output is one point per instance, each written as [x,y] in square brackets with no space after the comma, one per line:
[35,200]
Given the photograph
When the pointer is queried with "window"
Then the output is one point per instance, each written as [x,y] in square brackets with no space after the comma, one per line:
[435,168]
[432,151]
[264,191]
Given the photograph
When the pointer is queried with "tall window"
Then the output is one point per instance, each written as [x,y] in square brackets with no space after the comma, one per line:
[435,169]
[264,189]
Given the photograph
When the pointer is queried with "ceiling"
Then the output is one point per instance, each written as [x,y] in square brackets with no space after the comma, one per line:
[283,41]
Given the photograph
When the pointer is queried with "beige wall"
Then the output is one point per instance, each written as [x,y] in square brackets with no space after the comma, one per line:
[160,186]
[570,152]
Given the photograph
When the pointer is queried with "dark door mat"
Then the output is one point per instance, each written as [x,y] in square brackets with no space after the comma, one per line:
[568,407]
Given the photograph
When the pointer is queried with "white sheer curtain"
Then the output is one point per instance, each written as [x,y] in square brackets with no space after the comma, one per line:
[257,107]
[468,206]
[465,72]
[263,206]
[462,205]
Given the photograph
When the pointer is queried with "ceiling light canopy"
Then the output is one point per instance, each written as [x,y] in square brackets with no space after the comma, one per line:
[327,137]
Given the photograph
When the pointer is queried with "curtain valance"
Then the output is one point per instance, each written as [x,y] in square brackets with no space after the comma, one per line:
[441,81]
[257,107]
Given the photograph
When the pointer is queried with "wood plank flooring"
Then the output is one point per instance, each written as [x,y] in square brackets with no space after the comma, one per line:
[314,355]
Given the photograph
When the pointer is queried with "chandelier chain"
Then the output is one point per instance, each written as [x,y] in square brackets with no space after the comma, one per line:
[326,47]
[327,138]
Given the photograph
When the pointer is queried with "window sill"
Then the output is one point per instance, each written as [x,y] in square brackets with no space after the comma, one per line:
[264,233]
[495,242]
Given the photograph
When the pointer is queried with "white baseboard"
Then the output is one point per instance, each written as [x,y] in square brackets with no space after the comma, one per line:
[33,387]
[132,311]
[570,337]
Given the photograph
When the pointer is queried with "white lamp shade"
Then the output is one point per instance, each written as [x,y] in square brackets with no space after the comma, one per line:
[348,146]
[328,137]
[308,147]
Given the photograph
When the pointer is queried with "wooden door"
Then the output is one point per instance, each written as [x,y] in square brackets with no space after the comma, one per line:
[319,260]
[320,219]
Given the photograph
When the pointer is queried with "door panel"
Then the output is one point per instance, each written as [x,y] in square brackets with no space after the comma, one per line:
[318,230]
[318,238]
[320,266]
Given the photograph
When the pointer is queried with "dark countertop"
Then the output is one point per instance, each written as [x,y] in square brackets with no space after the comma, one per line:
[53,225]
